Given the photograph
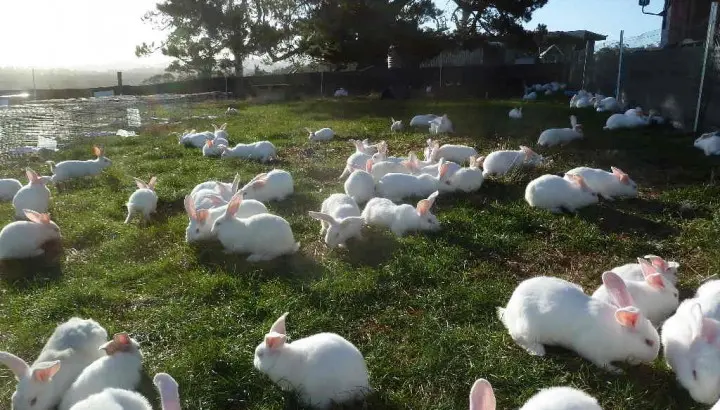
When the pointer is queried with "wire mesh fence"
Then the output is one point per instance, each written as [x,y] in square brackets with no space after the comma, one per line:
[662,71]
[27,127]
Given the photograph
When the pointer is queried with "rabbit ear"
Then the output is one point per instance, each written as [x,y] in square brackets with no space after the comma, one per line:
[45,371]
[32,176]
[369,165]
[443,168]
[168,389]
[350,220]
[623,177]
[323,217]
[152,183]
[703,327]
[190,207]
[18,366]
[233,206]
[224,126]
[119,343]
[97,151]
[573,121]
[279,325]
[658,262]
[37,217]
[627,316]
[580,181]
[275,340]
[140,183]
[209,143]
[527,151]
[424,205]
[260,182]
[617,289]
[236,183]
[482,396]
[651,275]
[479,162]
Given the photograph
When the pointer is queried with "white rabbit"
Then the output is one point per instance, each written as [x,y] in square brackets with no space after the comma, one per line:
[551,311]
[360,185]
[275,185]
[65,170]
[620,121]
[114,399]
[118,399]
[398,186]
[73,346]
[515,113]
[608,185]
[637,111]
[531,96]
[451,152]
[323,134]
[655,296]
[263,151]
[608,104]
[633,271]
[365,147]
[35,195]
[340,219]
[395,126]
[143,201]
[468,179]
[359,159]
[8,188]
[211,149]
[120,368]
[202,220]
[502,162]
[323,368]
[556,194]
[208,199]
[220,135]
[195,139]
[708,289]
[382,155]
[422,120]
[232,111]
[382,168]
[404,218]
[441,125]
[23,239]
[263,236]
[556,136]
[709,143]
[225,189]
[482,397]
[691,338]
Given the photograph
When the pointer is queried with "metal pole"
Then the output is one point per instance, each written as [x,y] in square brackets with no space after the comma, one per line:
[620,61]
[34,87]
[709,43]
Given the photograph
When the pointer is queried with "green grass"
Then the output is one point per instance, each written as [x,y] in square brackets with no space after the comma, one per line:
[420,308]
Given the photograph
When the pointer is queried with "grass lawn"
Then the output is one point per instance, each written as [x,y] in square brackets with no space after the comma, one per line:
[420,308]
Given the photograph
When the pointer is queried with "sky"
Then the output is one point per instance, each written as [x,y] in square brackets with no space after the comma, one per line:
[102,34]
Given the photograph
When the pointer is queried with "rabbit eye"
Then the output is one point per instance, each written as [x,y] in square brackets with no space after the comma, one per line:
[694,374]
[675,295]
[197,230]
[649,342]
[33,401]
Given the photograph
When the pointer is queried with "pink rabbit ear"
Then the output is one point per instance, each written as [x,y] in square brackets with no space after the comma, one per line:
[233,206]
[482,396]
[627,316]
[279,325]
[44,372]
[32,176]
[168,389]
[260,182]
[369,165]
[18,366]
[623,177]
[190,207]
[651,275]
[97,151]
[444,168]
[658,262]
[275,340]
[527,151]
[152,183]
[703,327]
[480,161]
[617,289]
[424,205]
[36,217]
[202,215]
[140,183]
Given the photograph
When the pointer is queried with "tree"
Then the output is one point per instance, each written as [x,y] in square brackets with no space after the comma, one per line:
[343,32]
[478,19]
[208,36]
[159,79]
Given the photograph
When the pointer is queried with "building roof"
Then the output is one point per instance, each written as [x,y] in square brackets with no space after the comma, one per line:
[578,34]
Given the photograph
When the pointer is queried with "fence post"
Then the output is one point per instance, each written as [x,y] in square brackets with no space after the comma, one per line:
[709,43]
[584,74]
[322,83]
[119,84]
[620,63]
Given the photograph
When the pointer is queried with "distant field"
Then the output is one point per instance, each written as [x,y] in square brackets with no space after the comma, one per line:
[420,308]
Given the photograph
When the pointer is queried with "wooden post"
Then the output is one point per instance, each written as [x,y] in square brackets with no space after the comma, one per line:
[709,44]
[119,84]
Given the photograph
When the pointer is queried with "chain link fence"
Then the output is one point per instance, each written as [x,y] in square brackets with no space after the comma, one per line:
[672,79]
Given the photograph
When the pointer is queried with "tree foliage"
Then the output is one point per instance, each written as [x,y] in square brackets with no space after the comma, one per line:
[477,20]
